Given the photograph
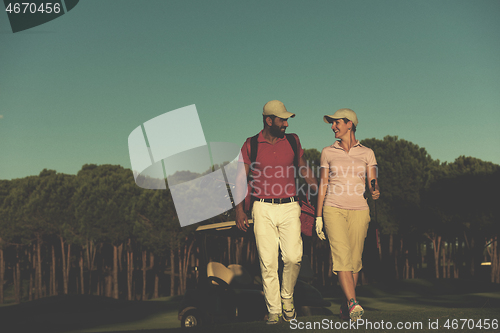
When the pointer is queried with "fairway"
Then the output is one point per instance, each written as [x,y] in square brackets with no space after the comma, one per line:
[413,305]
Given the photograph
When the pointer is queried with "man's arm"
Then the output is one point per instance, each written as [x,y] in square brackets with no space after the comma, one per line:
[241,216]
[308,175]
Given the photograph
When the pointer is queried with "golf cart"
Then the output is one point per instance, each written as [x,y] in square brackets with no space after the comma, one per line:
[231,294]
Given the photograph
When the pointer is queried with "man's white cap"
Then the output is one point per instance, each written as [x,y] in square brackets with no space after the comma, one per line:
[340,114]
[276,108]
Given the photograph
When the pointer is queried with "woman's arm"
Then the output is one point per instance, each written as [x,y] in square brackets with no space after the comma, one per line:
[372,175]
[323,185]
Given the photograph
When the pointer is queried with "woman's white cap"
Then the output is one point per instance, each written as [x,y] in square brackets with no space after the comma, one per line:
[340,114]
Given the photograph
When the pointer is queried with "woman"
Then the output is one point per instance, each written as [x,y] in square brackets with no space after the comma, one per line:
[341,202]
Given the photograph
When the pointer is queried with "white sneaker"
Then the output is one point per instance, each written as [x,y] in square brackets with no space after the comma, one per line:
[273,318]
[289,312]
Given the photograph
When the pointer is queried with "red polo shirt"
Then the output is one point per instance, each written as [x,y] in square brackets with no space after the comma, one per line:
[273,170]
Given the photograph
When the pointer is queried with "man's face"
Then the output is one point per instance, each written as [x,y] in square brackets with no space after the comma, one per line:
[278,127]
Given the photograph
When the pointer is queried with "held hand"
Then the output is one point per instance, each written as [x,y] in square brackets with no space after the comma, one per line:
[242,220]
[374,190]
[319,228]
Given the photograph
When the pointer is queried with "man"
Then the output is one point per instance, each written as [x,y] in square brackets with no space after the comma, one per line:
[275,207]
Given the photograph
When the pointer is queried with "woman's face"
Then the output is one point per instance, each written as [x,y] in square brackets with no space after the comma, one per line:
[340,128]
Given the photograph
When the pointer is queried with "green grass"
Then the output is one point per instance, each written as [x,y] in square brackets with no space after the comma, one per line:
[408,302]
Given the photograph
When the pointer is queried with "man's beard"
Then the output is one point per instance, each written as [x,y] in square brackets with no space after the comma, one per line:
[276,131]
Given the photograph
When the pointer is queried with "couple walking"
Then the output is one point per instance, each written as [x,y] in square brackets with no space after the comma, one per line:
[342,211]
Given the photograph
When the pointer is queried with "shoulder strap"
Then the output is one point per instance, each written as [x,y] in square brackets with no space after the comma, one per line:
[293,143]
[254,145]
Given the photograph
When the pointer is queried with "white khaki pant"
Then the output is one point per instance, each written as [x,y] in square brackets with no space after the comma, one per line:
[278,226]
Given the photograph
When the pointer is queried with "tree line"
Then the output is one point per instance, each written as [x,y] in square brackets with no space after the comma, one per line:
[98,233]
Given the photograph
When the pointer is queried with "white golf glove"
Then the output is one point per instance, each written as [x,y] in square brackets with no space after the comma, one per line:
[319,228]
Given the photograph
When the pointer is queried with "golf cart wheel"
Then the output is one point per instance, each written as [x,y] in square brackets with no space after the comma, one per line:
[191,318]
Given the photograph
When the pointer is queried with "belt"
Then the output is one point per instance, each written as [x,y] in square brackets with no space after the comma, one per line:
[280,200]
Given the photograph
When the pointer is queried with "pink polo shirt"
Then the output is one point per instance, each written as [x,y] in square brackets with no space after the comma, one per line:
[273,172]
[346,180]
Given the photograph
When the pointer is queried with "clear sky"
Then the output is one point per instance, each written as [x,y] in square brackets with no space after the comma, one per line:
[73,89]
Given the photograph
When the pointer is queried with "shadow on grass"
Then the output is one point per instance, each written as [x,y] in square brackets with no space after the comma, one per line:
[74,312]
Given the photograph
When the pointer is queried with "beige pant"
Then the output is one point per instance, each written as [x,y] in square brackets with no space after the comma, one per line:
[346,230]
[278,226]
